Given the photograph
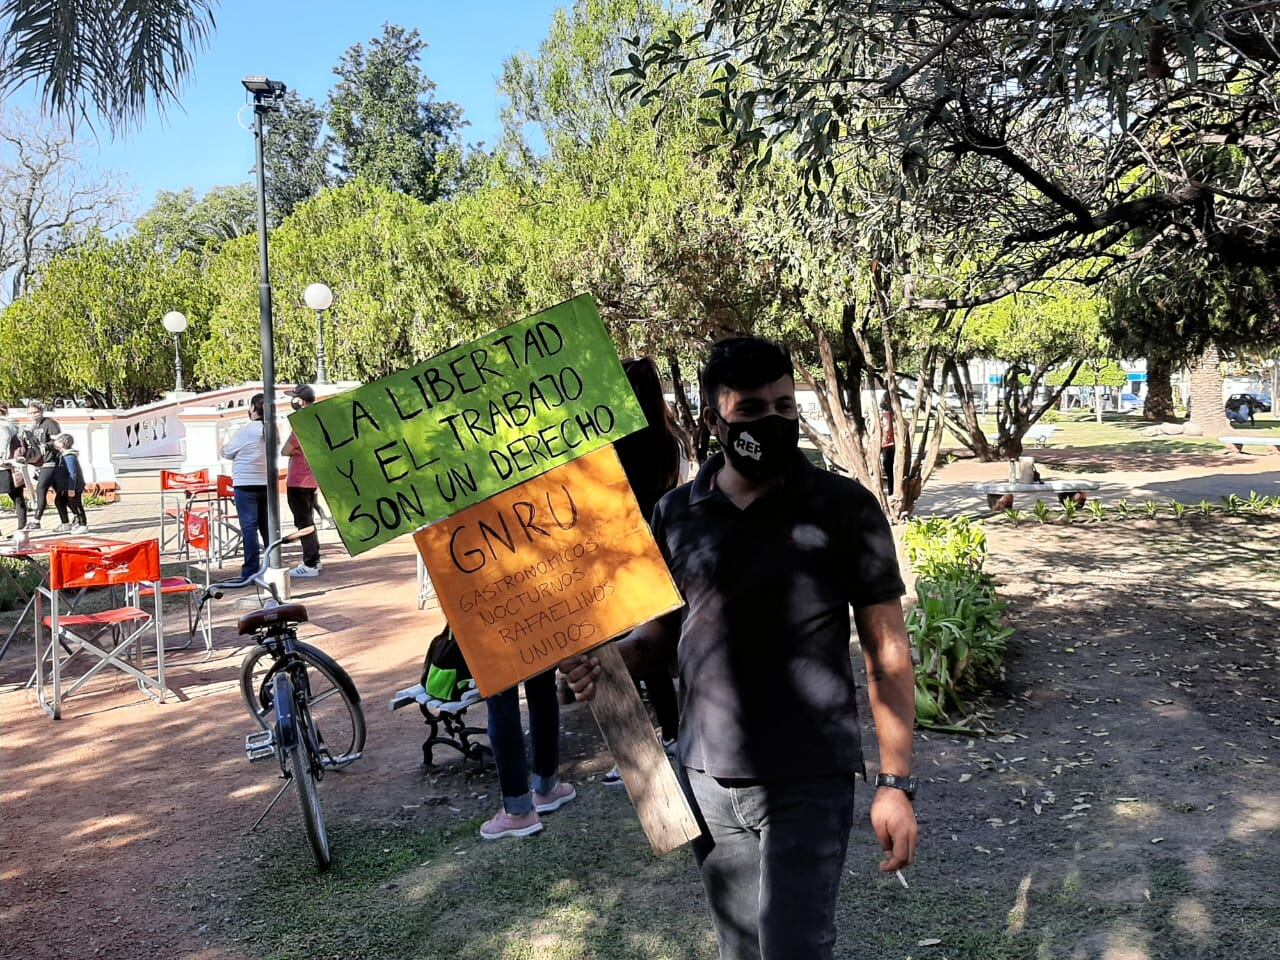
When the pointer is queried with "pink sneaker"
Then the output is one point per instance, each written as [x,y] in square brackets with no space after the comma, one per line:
[503,824]
[553,801]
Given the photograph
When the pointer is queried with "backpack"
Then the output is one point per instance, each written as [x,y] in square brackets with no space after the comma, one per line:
[445,673]
[28,449]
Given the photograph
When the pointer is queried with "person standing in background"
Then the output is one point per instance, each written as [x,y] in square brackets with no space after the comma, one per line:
[247,451]
[13,482]
[45,457]
[300,490]
[651,460]
[69,484]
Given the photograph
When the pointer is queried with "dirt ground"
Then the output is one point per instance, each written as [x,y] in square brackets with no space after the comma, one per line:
[1127,806]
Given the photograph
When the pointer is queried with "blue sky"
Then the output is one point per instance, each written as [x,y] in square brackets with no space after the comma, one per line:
[200,144]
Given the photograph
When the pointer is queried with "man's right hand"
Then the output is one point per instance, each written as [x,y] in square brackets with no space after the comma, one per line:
[581,672]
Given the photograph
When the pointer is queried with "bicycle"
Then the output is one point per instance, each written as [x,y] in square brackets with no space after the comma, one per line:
[286,684]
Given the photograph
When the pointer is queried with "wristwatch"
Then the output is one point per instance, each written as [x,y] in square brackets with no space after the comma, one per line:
[906,784]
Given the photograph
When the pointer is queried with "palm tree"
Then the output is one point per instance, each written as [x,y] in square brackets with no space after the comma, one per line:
[112,57]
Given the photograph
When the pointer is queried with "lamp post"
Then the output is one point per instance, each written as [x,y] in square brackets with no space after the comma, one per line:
[319,298]
[175,323]
[267,95]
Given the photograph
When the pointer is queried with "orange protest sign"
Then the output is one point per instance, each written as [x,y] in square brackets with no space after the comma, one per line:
[546,570]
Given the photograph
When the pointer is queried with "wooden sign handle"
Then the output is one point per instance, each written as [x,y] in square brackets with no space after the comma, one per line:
[646,771]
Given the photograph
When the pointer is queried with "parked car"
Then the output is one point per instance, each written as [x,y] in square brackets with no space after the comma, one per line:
[1130,403]
[1258,403]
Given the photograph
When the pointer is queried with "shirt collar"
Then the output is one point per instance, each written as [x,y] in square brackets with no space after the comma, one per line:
[798,482]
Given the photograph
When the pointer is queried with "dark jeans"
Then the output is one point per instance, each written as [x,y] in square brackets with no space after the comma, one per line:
[302,501]
[45,482]
[771,857]
[72,502]
[506,735]
[886,464]
[251,508]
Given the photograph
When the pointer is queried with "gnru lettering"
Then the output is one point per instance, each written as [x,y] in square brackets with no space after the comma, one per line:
[470,549]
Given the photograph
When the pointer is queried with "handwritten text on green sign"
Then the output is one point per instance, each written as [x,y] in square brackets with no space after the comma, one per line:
[429,441]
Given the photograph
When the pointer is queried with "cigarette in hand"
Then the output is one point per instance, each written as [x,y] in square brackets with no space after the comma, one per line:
[902,880]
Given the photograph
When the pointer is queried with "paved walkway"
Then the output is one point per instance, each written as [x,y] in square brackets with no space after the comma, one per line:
[1188,478]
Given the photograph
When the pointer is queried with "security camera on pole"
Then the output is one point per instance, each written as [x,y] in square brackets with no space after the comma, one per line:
[267,96]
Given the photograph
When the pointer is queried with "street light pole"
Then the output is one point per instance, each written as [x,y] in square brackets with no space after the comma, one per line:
[177,365]
[266,96]
[319,298]
[175,322]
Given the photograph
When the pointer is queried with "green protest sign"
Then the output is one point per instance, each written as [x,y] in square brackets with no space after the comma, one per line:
[424,443]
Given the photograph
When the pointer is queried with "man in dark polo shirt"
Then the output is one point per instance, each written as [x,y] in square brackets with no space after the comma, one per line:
[770,553]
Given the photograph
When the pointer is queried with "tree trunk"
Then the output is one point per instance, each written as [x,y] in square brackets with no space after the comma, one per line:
[1206,394]
[1158,407]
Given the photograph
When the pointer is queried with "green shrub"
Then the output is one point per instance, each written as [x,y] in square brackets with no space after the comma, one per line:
[957,639]
[1050,416]
[1205,508]
[1152,508]
[1041,511]
[1122,508]
[1014,516]
[1231,505]
[1070,509]
[1256,502]
[941,544]
[1097,509]
[1178,509]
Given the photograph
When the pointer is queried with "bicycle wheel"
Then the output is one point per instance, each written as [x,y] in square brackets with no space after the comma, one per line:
[304,778]
[334,704]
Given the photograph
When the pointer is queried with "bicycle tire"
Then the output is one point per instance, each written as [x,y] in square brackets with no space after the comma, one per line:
[256,699]
[304,779]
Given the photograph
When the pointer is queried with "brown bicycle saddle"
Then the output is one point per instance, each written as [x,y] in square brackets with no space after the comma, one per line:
[272,616]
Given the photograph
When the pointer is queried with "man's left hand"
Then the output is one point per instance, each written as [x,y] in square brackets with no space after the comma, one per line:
[894,820]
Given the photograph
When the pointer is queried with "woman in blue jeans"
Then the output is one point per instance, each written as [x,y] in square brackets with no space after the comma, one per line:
[247,451]
[519,816]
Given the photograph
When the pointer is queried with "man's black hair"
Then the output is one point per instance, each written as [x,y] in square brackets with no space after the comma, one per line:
[742,363]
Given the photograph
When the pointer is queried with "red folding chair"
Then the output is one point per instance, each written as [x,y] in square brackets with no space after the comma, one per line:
[227,538]
[197,537]
[175,499]
[78,568]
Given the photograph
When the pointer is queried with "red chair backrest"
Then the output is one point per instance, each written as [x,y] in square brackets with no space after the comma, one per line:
[173,480]
[197,530]
[71,568]
[226,489]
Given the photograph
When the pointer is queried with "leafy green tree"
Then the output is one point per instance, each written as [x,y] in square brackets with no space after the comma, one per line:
[96,312]
[114,56]
[297,155]
[374,248]
[1042,334]
[1051,131]
[388,128]
[1178,309]
[179,223]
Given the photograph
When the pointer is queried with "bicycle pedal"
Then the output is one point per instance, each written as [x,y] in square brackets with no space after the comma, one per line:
[259,746]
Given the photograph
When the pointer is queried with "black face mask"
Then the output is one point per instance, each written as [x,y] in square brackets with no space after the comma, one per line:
[761,449]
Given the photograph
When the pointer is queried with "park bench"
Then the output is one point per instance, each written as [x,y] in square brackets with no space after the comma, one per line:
[1240,441]
[1041,434]
[449,714]
[1000,495]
